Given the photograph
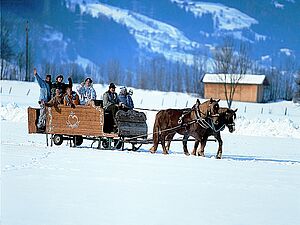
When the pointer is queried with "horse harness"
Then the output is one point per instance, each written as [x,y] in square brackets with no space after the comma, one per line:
[200,120]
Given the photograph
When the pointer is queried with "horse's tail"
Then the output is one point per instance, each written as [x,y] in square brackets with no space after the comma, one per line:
[155,134]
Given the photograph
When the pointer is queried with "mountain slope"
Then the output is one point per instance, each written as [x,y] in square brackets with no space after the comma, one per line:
[65,31]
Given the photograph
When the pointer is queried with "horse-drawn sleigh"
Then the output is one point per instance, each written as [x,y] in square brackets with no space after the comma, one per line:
[93,123]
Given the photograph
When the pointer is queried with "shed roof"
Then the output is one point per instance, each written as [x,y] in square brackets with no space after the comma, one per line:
[246,78]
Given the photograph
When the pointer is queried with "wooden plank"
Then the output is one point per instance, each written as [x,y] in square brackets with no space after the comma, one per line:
[82,120]
[32,119]
[76,132]
[79,126]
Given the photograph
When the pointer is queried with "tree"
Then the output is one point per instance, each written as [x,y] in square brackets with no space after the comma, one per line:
[231,63]
[296,97]
[5,48]
[21,63]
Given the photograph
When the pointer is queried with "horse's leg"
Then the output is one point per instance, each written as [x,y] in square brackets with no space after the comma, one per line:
[169,140]
[163,141]
[195,147]
[184,142]
[156,137]
[200,152]
[154,147]
[219,139]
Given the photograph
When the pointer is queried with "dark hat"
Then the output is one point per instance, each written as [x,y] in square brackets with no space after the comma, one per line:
[88,78]
[48,75]
[112,85]
[58,76]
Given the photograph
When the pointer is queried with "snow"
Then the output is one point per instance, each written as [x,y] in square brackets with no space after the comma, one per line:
[278,5]
[286,51]
[266,58]
[256,182]
[225,18]
[150,34]
[245,78]
[84,62]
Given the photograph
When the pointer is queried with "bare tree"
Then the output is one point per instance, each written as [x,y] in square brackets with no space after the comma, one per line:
[5,49]
[21,63]
[231,63]
[296,97]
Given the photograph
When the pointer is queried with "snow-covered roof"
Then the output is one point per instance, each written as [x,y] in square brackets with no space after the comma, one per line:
[234,78]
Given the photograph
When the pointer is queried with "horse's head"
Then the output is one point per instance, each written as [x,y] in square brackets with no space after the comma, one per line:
[213,107]
[208,109]
[229,117]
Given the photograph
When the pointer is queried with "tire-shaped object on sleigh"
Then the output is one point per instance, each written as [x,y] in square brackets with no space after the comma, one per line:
[134,147]
[105,143]
[118,143]
[58,139]
[78,140]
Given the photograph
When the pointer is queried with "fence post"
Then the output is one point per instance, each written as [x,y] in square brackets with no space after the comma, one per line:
[28,92]
[141,101]
[245,109]
[262,111]
[285,111]
[187,102]
[10,90]
[162,103]
[1,90]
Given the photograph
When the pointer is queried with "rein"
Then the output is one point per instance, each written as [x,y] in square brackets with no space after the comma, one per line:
[201,121]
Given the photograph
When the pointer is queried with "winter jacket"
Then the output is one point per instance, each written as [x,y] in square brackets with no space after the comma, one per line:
[70,100]
[86,94]
[56,100]
[45,89]
[126,100]
[109,99]
[61,86]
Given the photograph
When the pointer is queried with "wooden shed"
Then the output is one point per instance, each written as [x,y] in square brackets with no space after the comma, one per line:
[250,88]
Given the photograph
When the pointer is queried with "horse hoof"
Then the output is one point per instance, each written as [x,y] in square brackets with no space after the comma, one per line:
[187,154]
[165,153]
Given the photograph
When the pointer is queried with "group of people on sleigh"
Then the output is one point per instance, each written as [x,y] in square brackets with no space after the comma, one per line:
[60,93]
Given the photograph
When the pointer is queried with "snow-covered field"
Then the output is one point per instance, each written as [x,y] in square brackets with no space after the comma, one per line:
[256,182]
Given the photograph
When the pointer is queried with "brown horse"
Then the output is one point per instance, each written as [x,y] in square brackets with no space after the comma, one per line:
[183,121]
[226,118]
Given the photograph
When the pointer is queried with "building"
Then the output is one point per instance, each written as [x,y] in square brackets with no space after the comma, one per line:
[250,88]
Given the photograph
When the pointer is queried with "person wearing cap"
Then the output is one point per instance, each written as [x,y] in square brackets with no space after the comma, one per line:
[111,101]
[59,84]
[45,96]
[87,93]
[125,98]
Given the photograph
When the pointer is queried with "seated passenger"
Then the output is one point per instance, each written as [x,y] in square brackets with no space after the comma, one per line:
[59,84]
[111,102]
[86,92]
[56,100]
[125,98]
[71,98]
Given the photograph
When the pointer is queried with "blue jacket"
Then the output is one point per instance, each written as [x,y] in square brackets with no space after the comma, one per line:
[45,89]
[126,100]
[86,94]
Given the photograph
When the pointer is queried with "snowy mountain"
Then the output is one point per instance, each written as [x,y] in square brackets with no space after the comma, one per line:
[96,31]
